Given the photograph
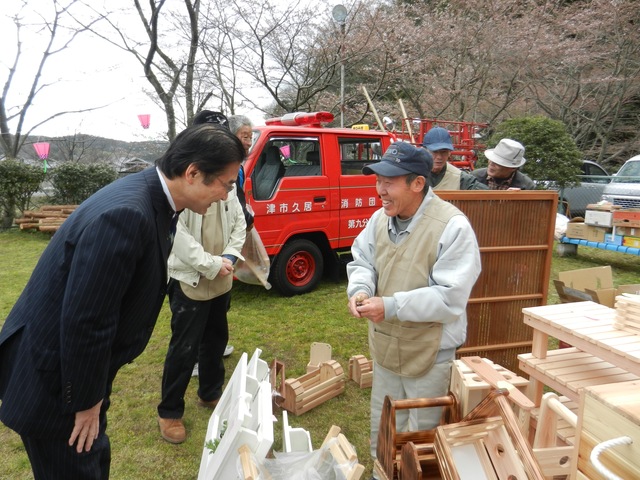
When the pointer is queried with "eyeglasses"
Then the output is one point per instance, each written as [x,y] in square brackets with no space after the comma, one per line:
[228,187]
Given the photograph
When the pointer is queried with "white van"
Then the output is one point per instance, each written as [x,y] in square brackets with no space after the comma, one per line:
[624,189]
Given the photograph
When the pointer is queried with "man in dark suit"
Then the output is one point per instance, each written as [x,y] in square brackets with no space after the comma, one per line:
[93,299]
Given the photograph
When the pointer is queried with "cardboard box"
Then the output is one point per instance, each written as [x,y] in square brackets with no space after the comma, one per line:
[624,231]
[598,218]
[596,283]
[614,239]
[586,232]
[631,241]
[629,217]
[603,207]
[576,230]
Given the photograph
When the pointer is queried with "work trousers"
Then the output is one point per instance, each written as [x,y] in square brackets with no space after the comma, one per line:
[199,333]
[434,384]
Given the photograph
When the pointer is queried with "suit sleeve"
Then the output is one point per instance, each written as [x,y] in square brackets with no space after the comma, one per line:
[104,260]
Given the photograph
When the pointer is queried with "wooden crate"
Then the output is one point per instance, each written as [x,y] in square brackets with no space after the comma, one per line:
[319,352]
[469,450]
[343,454]
[607,412]
[391,442]
[485,448]
[361,371]
[471,388]
[314,388]
[627,313]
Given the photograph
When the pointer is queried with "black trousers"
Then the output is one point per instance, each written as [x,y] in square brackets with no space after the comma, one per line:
[199,333]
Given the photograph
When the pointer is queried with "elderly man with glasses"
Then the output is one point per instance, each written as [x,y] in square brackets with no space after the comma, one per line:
[205,248]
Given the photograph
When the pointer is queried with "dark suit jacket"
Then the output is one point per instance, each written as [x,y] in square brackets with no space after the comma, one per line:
[89,307]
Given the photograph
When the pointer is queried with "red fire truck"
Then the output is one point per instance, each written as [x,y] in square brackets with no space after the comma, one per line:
[305,185]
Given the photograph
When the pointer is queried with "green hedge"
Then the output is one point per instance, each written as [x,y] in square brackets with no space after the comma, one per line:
[18,183]
[75,182]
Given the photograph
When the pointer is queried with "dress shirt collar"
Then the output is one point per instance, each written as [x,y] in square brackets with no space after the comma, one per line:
[165,188]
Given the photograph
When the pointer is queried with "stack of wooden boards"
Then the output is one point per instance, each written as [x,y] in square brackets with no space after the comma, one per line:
[47,218]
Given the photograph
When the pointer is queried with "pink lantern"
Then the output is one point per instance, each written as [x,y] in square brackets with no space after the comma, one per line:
[286,151]
[145,120]
[42,149]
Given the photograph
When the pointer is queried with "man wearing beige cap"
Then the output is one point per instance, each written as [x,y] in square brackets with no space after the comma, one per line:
[502,173]
[412,272]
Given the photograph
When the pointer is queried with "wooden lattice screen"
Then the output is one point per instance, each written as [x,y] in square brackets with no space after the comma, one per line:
[515,233]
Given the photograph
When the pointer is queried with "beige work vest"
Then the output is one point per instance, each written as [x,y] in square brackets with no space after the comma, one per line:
[213,243]
[450,180]
[408,348]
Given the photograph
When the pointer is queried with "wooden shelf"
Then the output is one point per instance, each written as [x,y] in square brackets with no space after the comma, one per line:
[567,370]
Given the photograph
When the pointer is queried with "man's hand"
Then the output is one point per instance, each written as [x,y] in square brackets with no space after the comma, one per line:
[227,267]
[86,428]
[361,306]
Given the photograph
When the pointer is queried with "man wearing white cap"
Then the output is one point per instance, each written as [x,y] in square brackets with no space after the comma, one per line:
[502,173]
[444,175]
[412,272]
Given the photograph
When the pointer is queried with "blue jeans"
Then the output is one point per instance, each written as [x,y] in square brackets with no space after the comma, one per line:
[199,333]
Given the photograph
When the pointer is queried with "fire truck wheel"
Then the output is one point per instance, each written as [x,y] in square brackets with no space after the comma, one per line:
[297,268]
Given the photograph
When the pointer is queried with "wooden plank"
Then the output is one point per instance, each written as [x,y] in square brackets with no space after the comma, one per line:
[493,378]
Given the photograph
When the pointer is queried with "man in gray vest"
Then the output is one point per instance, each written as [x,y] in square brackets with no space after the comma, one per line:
[413,269]
[444,175]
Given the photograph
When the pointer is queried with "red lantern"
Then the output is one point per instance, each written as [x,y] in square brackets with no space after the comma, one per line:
[145,120]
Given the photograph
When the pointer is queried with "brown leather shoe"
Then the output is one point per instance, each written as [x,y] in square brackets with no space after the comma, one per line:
[172,429]
[208,404]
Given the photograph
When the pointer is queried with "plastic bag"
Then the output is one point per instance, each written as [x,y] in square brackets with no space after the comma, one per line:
[315,465]
[254,270]
[561,226]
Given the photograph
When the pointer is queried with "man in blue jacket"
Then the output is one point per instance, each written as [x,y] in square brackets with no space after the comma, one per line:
[92,301]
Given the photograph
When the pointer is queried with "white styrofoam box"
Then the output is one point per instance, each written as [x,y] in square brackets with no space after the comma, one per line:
[598,218]
[243,416]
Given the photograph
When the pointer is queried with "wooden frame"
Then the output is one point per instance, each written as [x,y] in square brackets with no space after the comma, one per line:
[554,458]
[515,232]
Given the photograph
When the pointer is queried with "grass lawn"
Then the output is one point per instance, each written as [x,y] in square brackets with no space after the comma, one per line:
[283,328]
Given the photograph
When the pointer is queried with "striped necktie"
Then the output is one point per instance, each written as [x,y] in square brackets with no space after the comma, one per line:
[172,226]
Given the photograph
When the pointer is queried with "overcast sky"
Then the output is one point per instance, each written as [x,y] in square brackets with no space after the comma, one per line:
[90,73]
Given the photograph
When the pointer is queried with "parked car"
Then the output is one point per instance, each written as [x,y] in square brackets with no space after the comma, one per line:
[593,181]
[624,189]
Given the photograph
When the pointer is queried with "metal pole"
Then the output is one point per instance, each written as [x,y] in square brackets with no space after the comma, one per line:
[342,76]
[339,14]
